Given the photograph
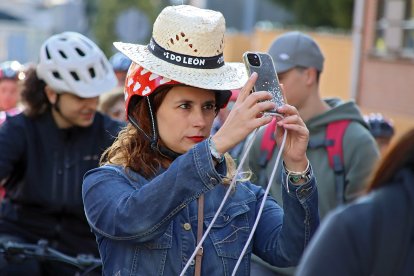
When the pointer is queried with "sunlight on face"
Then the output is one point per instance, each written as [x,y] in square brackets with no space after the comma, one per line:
[77,111]
[185,117]
[294,84]
[9,94]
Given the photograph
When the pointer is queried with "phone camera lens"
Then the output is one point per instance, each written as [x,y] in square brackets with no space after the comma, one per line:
[253,59]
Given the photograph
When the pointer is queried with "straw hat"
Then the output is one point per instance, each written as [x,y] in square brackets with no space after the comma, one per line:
[187,46]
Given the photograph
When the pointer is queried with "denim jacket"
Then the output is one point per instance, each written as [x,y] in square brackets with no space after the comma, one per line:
[148,226]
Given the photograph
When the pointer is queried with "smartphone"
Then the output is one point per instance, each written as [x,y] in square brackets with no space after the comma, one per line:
[262,64]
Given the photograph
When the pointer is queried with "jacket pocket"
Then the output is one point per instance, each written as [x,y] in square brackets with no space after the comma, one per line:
[163,242]
[150,258]
[230,231]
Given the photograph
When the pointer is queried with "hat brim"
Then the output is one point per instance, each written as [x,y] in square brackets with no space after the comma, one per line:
[232,75]
[282,67]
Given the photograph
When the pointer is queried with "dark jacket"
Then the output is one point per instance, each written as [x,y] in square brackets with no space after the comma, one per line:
[44,167]
[373,236]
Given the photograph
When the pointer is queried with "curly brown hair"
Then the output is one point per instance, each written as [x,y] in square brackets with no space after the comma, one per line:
[132,149]
[33,95]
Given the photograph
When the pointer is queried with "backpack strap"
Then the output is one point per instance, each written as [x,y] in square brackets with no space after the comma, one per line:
[333,143]
[334,146]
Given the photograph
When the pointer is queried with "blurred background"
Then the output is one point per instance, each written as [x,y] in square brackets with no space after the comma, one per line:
[368,44]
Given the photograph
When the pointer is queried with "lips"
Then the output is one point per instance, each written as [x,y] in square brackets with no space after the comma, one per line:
[88,116]
[196,139]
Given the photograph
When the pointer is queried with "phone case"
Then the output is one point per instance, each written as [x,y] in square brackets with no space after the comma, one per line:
[267,78]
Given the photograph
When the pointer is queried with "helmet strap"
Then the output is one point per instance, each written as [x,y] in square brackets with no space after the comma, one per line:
[170,154]
[166,152]
[56,107]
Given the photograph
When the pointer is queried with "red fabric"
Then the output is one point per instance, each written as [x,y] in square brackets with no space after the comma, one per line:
[335,132]
[268,140]
[142,82]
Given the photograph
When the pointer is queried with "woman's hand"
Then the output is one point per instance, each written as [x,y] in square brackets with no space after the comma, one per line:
[294,153]
[244,117]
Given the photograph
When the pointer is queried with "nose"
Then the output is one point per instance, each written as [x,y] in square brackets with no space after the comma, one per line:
[199,117]
[92,103]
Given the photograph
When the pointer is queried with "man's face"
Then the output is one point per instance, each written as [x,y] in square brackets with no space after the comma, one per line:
[75,111]
[294,84]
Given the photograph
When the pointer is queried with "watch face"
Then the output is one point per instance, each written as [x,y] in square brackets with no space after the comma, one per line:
[296,178]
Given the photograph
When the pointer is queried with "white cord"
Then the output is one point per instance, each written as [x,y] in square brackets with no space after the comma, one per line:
[256,222]
[233,181]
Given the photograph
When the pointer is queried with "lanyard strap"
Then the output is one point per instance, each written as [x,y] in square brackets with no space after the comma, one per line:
[200,216]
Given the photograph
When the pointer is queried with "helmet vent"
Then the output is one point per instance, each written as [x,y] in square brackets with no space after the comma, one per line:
[47,53]
[80,52]
[63,54]
[75,76]
[92,72]
[56,75]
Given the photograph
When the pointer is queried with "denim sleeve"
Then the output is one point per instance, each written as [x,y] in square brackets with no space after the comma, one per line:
[119,207]
[283,234]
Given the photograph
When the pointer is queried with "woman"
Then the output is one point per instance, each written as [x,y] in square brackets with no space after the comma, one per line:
[164,178]
[46,150]
[373,236]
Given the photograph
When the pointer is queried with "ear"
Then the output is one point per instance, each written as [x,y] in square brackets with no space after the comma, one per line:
[311,75]
[50,94]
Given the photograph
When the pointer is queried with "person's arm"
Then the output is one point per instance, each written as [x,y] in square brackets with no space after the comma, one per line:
[12,146]
[120,208]
[360,154]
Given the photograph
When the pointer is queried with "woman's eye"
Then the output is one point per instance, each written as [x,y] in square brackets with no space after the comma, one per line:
[209,106]
[184,106]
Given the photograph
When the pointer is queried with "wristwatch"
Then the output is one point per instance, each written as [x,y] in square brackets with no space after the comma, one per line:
[296,177]
[214,153]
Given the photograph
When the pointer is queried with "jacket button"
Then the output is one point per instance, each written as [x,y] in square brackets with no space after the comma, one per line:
[187,226]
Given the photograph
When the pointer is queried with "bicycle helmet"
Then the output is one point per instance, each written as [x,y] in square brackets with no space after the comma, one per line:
[380,127]
[70,62]
[120,62]
[11,70]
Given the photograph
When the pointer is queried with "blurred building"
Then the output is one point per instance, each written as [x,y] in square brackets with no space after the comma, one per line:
[25,24]
[243,15]
[383,66]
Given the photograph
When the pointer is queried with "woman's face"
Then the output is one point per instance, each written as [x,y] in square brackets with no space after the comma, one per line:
[185,117]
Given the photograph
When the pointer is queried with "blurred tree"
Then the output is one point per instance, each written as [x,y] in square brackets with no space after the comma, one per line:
[107,12]
[321,13]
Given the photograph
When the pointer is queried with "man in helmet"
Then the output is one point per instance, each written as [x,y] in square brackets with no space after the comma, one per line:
[10,74]
[46,150]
